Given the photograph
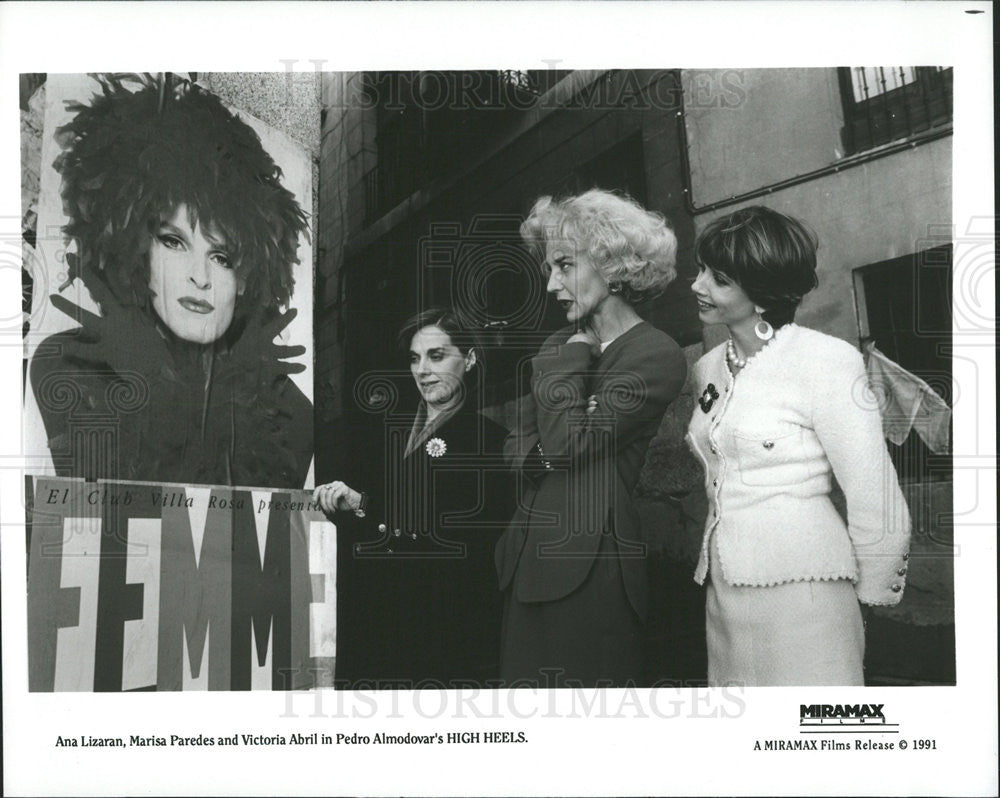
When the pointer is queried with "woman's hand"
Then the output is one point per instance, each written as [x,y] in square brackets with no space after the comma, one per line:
[335,496]
[122,336]
[256,353]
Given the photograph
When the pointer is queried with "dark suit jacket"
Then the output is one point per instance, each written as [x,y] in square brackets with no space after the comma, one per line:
[578,469]
[418,602]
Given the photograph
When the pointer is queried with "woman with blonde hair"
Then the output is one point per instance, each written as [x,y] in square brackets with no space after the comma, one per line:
[572,562]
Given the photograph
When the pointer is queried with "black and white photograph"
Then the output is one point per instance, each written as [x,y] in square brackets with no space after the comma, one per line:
[463,417]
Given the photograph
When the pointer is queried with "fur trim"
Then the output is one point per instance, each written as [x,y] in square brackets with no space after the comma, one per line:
[132,157]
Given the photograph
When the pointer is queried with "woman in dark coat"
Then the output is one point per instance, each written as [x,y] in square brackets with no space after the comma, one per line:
[419,604]
[184,236]
[572,563]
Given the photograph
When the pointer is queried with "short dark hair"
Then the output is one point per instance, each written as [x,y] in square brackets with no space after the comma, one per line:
[463,334]
[462,331]
[771,256]
[131,158]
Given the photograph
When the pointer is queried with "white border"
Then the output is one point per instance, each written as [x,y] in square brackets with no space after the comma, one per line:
[623,753]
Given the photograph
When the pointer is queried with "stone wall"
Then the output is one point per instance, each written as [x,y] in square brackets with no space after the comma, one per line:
[347,152]
[287,101]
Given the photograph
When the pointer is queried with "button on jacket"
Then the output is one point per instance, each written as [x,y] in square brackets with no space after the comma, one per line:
[798,415]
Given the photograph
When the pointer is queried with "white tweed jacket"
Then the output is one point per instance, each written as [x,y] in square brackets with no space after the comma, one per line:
[771,441]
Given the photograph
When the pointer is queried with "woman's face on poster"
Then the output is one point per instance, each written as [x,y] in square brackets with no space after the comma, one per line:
[192,280]
[438,366]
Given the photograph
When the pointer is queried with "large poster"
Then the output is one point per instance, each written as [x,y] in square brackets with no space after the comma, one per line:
[154,586]
[171,327]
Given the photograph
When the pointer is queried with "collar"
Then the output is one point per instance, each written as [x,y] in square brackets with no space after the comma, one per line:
[422,429]
[615,342]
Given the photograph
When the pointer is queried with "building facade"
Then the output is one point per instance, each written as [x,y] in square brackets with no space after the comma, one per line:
[424,178]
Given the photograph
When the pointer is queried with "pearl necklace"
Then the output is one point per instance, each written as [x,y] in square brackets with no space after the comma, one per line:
[732,357]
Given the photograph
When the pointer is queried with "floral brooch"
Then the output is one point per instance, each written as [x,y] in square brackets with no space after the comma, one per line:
[436,447]
[707,399]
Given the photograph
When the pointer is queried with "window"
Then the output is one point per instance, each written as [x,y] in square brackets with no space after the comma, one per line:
[883,104]
[904,307]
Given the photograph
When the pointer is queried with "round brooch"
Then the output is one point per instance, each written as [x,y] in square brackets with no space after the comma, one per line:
[436,447]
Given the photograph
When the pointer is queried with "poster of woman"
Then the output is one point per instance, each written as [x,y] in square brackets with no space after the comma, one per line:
[171,323]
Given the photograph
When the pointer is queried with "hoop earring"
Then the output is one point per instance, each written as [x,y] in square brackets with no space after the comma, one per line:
[615,287]
[763,330]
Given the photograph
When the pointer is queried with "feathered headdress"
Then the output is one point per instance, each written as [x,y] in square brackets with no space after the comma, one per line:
[131,157]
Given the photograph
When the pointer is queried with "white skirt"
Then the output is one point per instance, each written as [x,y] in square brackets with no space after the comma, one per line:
[795,633]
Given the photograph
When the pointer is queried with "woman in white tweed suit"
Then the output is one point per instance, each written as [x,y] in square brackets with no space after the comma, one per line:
[783,410]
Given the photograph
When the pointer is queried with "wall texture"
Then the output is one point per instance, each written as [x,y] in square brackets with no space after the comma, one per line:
[759,126]
[288,101]
[787,124]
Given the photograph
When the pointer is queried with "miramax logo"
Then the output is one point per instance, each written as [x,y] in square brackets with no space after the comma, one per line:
[859,712]
[830,720]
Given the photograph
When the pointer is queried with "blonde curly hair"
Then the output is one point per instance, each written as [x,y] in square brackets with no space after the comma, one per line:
[634,249]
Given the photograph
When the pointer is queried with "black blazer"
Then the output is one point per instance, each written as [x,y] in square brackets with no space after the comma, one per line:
[418,598]
[578,469]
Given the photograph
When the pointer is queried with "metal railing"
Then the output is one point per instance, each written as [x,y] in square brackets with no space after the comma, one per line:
[884,104]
